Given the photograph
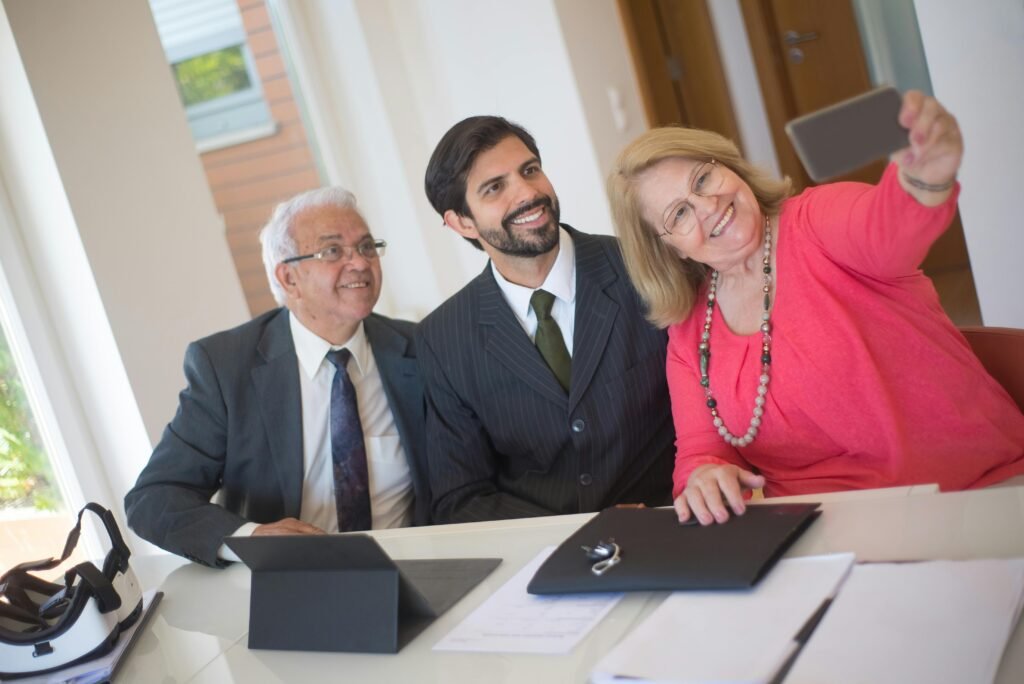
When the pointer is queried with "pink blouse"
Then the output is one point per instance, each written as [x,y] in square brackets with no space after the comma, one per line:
[871,383]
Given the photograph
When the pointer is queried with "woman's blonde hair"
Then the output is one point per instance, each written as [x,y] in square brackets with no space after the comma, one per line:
[667,284]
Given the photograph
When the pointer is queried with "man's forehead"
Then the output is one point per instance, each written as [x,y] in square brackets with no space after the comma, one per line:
[329,222]
[508,154]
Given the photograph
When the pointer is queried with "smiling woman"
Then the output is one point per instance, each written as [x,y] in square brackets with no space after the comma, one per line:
[820,294]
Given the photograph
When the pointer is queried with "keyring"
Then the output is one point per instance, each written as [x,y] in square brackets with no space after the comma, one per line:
[606,555]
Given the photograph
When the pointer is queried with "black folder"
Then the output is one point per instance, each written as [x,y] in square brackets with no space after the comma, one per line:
[658,554]
[344,593]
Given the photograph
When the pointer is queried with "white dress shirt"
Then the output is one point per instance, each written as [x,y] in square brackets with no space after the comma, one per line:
[391,492]
[561,282]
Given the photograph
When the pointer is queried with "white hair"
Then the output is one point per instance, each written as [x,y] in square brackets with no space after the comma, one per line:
[276,237]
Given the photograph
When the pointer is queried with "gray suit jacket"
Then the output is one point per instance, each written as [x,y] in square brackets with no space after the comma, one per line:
[238,430]
[504,440]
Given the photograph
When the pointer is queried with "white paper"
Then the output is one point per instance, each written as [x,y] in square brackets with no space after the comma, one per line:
[727,636]
[934,621]
[513,621]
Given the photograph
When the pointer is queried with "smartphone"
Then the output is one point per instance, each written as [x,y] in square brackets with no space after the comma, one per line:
[849,134]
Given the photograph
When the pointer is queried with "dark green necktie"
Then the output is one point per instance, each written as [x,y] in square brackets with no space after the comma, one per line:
[549,339]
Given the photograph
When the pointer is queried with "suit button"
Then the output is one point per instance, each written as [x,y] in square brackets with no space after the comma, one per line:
[586,479]
[578,425]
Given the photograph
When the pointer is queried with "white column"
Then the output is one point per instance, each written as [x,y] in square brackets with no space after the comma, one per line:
[976,60]
[113,216]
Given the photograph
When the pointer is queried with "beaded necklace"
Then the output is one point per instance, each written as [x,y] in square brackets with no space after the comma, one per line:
[766,357]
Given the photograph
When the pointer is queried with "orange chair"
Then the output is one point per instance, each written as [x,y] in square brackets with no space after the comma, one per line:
[1001,352]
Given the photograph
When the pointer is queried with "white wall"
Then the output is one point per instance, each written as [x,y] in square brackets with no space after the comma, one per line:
[976,60]
[384,79]
[124,253]
[744,88]
[26,165]
[603,74]
[349,59]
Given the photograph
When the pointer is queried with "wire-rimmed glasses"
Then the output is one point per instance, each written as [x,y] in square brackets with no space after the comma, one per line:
[368,249]
[683,218]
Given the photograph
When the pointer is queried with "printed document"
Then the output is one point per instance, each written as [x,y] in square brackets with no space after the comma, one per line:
[513,621]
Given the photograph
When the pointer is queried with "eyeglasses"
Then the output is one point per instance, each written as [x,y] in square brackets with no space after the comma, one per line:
[706,182]
[368,249]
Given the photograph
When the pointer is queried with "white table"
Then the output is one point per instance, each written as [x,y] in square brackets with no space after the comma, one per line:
[199,632]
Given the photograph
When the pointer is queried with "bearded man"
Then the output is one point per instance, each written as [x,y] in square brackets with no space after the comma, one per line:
[545,385]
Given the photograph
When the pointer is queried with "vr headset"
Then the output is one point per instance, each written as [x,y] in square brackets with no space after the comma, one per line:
[45,626]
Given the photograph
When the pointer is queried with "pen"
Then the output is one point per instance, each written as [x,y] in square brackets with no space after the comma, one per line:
[801,638]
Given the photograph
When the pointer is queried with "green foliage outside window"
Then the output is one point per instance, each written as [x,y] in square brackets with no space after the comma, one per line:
[26,479]
[211,75]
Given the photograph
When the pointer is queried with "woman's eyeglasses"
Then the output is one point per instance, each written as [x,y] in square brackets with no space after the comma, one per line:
[706,182]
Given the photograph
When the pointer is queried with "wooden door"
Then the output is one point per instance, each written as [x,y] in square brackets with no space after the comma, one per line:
[678,64]
[808,55]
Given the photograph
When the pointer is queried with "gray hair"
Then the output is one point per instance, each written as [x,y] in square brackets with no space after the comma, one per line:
[276,237]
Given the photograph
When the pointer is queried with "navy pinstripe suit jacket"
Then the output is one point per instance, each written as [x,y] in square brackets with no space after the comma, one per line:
[504,440]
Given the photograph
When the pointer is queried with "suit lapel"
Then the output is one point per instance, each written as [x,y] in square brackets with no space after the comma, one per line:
[506,340]
[280,401]
[397,371]
[595,313]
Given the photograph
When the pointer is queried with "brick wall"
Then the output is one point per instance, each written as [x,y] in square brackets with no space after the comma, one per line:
[247,180]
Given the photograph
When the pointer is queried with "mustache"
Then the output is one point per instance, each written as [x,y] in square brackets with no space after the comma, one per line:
[543,201]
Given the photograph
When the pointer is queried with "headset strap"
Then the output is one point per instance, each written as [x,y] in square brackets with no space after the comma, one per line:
[119,548]
[17,605]
[19,614]
[100,584]
[119,551]
[15,588]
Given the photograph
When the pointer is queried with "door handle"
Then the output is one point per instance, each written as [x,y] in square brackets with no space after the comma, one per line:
[792,37]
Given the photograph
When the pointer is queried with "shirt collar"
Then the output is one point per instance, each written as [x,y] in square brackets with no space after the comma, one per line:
[561,279]
[311,348]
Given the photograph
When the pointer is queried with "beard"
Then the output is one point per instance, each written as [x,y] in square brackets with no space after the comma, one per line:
[530,243]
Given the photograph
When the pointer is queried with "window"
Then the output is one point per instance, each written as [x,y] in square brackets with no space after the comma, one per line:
[205,44]
[26,478]
[212,76]
[34,517]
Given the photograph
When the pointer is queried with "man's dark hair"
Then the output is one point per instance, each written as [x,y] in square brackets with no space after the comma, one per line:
[445,180]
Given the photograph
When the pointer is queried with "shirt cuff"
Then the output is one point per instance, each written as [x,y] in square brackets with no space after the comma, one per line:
[246,530]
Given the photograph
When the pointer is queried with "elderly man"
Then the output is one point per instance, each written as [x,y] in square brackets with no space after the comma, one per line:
[307,419]
[545,386]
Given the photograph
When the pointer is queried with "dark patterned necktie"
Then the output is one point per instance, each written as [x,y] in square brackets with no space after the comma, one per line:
[348,453]
[549,339]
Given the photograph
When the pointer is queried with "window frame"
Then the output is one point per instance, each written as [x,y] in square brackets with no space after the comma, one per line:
[27,332]
[230,119]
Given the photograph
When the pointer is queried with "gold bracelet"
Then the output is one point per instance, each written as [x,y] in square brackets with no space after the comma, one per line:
[928,187]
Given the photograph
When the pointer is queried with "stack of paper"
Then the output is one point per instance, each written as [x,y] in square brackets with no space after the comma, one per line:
[937,621]
[928,621]
[728,636]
